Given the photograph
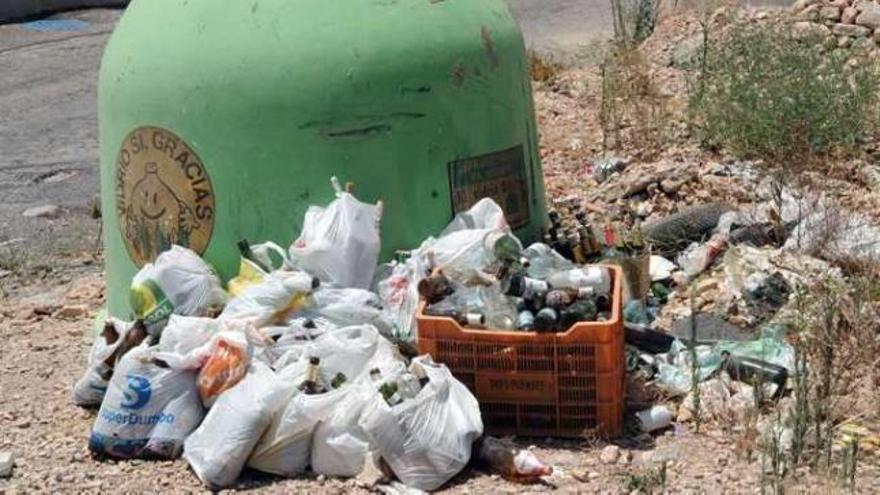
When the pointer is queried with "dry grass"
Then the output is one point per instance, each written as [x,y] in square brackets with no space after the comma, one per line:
[544,68]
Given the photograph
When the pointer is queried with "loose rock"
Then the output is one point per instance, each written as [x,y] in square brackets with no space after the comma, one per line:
[72,311]
[44,211]
[804,30]
[610,454]
[830,13]
[869,18]
[6,463]
[850,30]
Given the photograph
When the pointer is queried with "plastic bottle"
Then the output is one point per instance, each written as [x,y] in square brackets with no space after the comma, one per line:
[502,457]
[543,261]
[596,277]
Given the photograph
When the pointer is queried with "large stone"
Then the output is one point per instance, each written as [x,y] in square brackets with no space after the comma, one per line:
[829,13]
[850,30]
[804,30]
[810,13]
[6,464]
[800,5]
[840,3]
[44,211]
[849,15]
[863,5]
[72,311]
[869,19]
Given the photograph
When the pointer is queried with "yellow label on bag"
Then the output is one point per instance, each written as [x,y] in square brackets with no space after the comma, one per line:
[149,302]
[248,274]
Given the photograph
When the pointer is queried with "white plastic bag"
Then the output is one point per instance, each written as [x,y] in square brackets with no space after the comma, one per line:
[286,445]
[184,334]
[178,282]
[426,440]
[399,292]
[484,214]
[346,307]
[340,446]
[218,449]
[340,243]
[272,301]
[90,389]
[148,410]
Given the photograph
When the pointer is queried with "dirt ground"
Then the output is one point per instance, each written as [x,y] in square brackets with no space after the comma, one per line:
[47,309]
[44,353]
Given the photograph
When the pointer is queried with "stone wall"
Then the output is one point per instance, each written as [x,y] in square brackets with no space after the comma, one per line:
[853,23]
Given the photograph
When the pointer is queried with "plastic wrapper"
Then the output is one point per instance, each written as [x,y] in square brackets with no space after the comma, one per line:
[148,411]
[225,366]
[698,257]
[340,243]
[90,389]
[218,449]
[426,440]
[178,282]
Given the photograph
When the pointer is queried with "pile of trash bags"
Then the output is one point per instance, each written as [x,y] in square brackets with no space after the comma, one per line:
[296,365]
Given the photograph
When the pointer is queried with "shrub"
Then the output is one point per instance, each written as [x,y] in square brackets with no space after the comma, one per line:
[763,93]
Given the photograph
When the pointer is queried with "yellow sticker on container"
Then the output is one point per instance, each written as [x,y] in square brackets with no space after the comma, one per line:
[163,195]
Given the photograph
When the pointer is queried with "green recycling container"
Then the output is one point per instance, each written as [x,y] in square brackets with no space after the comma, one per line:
[225,120]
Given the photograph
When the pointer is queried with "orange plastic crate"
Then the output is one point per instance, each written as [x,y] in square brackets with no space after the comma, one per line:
[561,384]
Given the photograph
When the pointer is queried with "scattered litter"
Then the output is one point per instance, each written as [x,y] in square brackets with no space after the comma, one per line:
[604,167]
[711,328]
[661,268]
[655,418]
